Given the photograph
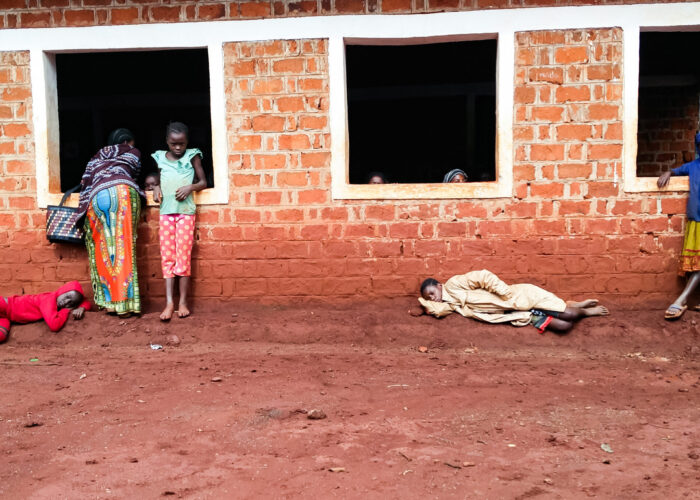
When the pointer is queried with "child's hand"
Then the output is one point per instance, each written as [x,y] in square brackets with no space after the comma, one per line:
[78,313]
[663,179]
[157,194]
[183,192]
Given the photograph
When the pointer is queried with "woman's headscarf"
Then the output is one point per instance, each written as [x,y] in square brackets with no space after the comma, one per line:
[120,136]
[454,172]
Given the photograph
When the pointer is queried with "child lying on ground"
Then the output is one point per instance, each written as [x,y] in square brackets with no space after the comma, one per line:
[482,295]
[52,307]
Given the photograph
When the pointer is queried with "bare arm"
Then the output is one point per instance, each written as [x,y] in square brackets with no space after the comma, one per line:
[184,191]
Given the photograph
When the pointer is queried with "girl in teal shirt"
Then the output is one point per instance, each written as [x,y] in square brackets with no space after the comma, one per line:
[179,168]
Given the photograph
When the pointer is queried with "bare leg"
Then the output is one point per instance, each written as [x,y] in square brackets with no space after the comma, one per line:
[183,310]
[584,304]
[169,306]
[692,284]
[560,325]
[575,313]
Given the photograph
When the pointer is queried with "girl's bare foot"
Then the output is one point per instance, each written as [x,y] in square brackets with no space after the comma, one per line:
[583,305]
[183,311]
[595,311]
[167,312]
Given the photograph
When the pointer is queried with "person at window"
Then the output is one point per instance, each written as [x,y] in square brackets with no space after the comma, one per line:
[376,178]
[482,295]
[110,204]
[178,168]
[53,307]
[151,181]
[456,175]
[690,255]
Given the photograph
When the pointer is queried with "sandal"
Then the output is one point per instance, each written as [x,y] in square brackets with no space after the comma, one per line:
[696,307]
[674,312]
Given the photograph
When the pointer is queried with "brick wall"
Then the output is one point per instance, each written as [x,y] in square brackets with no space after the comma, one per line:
[569,226]
[54,13]
[668,118]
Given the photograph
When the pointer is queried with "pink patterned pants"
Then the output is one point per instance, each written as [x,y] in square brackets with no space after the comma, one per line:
[176,240]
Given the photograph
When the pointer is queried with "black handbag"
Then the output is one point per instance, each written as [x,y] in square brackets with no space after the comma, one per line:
[60,222]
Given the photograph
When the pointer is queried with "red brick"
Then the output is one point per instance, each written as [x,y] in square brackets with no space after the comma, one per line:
[315,160]
[16,94]
[547,113]
[600,72]
[604,151]
[603,111]
[243,68]
[627,207]
[576,132]
[488,228]
[602,190]
[79,17]
[547,152]
[470,209]
[548,190]
[268,198]
[292,65]
[18,167]
[313,122]
[547,37]
[211,11]
[291,179]
[574,207]
[380,212]
[349,6]
[289,215]
[268,123]
[572,94]
[268,86]
[35,20]
[673,205]
[524,95]
[568,55]
[247,143]
[15,130]
[613,131]
[125,16]
[293,142]
[255,9]
[246,216]
[551,75]
[311,84]
[574,170]
[313,196]
[290,104]
[270,162]
[241,180]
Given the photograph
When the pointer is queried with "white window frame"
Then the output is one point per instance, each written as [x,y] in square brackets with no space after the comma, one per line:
[340,160]
[46,125]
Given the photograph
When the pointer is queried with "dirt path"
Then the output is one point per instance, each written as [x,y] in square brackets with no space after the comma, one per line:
[488,411]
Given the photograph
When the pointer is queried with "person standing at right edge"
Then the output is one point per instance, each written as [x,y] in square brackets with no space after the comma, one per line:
[690,255]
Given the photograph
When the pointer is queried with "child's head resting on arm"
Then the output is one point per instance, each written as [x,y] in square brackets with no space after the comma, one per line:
[431,289]
[69,300]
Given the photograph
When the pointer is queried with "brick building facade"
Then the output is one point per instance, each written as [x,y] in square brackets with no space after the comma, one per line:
[568,223]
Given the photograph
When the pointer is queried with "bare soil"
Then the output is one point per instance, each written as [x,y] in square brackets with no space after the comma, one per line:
[489,411]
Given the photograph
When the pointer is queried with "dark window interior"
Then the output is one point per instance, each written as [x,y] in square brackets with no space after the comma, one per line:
[142,91]
[416,112]
[669,101]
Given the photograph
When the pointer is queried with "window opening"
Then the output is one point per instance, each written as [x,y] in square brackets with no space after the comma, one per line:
[415,112]
[669,101]
[142,91]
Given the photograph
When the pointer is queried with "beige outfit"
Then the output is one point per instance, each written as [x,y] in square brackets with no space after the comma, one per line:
[482,295]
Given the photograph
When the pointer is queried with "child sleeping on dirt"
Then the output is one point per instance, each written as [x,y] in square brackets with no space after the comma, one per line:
[482,295]
[52,307]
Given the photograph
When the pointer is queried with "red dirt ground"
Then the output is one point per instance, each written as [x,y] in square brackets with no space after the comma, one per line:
[489,411]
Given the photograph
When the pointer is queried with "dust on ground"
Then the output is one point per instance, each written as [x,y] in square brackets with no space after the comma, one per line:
[489,411]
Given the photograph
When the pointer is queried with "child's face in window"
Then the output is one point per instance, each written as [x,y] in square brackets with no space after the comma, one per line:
[177,143]
[459,178]
[433,292]
[151,182]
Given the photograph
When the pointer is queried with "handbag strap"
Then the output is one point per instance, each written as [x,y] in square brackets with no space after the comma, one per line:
[68,193]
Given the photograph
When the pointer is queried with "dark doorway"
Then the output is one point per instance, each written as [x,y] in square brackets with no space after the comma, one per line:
[669,101]
[416,112]
[142,91]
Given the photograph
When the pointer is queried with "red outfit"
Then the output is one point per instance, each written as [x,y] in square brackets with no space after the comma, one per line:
[28,308]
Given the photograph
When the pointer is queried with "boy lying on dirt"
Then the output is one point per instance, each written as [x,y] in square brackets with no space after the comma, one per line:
[52,307]
[482,295]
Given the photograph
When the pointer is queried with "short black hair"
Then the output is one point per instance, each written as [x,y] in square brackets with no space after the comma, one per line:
[152,173]
[428,282]
[120,136]
[177,128]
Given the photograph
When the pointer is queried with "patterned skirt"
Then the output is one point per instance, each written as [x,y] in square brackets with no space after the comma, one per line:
[110,237]
[690,256]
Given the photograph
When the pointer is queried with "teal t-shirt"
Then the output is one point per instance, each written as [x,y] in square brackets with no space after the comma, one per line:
[173,175]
